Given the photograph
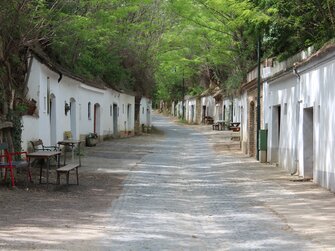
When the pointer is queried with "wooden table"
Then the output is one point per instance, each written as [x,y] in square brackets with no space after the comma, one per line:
[71,143]
[222,124]
[208,120]
[235,126]
[45,155]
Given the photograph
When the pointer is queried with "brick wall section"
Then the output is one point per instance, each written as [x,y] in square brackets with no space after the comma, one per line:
[198,111]
[252,120]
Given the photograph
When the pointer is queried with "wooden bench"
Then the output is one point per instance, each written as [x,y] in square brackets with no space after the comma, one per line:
[66,169]
[208,120]
[39,146]
[234,129]
[216,126]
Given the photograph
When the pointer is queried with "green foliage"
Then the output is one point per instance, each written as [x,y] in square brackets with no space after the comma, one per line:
[296,25]
[111,40]
[163,49]
[196,90]
[211,42]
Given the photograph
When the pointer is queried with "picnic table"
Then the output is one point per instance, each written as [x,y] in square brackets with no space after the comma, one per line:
[208,120]
[235,126]
[219,125]
[46,155]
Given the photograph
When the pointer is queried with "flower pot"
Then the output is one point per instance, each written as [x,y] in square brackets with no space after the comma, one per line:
[91,139]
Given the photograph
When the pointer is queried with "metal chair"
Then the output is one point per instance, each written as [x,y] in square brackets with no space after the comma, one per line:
[39,146]
[7,162]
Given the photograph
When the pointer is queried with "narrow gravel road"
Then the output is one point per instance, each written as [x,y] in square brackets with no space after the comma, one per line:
[184,196]
[176,190]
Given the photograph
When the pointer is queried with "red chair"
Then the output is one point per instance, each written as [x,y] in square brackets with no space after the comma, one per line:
[7,162]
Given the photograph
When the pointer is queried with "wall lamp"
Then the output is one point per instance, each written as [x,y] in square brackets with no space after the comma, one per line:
[67,108]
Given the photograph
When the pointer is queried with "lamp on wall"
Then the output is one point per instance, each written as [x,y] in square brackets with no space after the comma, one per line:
[67,108]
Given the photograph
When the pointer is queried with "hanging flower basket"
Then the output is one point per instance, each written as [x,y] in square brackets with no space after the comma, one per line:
[25,107]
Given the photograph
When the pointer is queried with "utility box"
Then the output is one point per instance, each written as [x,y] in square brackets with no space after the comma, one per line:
[263,145]
[263,140]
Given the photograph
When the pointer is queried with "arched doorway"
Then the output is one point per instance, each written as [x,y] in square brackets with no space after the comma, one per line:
[73,114]
[53,120]
[96,121]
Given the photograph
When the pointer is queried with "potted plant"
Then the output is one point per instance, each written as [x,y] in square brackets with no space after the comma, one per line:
[25,107]
[91,139]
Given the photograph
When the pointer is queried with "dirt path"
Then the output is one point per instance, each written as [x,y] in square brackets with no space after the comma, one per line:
[35,218]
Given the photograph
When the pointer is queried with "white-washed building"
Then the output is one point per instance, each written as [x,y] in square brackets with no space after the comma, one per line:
[68,103]
[192,109]
[207,105]
[145,111]
[281,112]
[300,103]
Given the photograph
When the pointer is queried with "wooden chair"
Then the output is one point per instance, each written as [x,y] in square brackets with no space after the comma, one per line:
[9,164]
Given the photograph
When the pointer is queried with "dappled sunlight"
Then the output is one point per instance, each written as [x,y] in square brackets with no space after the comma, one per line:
[180,194]
[42,235]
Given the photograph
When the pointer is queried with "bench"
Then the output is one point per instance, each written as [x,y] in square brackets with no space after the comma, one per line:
[39,146]
[219,125]
[234,129]
[66,169]
[216,126]
[208,120]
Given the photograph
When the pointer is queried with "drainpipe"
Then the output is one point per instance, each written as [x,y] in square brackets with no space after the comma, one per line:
[295,171]
[295,72]
[258,94]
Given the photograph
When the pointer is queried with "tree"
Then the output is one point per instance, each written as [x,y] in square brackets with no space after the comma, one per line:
[213,40]
[23,24]
[296,25]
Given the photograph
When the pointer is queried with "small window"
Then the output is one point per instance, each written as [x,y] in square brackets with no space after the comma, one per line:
[111,110]
[89,110]
[122,108]
[142,110]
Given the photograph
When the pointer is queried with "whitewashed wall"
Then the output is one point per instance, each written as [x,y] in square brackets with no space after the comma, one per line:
[306,144]
[317,91]
[281,100]
[191,110]
[145,111]
[218,111]
[179,109]
[126,115]
[244,122]
[237,109]
[209,102]
[173,109]
[44,82]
